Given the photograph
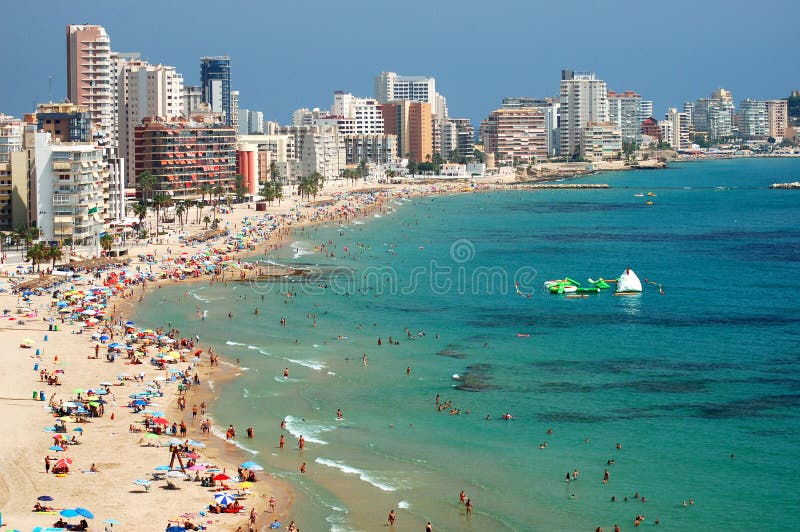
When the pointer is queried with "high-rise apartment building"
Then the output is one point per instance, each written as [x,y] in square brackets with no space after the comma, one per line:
[778,118]
[89,76]
[753,119]
[184,155]
[625,110]
[215,83]
[370,148]
[13,174]
[584,99]
[118,61]
[714,116]
[365,112]
[518,134]
[411,122]
[234,121]
[251,122]
[389,87]
[678,132]
[645,110]
[145,90]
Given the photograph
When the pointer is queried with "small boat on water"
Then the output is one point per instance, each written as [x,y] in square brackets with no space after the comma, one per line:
[639,195]
[649,203]
[651,194]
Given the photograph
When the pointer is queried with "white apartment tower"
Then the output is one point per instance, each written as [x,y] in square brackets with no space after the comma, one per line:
[145,90]
[679,126]
[584,99]
[89,76]
[624,110]
[389,87]
[365,112]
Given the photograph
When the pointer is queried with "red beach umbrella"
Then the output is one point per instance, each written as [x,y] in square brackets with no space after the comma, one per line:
[161,421]
[222,476]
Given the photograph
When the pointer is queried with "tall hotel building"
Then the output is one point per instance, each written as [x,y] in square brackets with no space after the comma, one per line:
[215,84]
[411,122]
[584,99]
[89,76]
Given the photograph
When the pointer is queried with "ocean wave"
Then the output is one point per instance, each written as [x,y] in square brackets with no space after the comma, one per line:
[221,435]
[231,342]
[363,475]
[198,297]
[376,215]
[358,222]
[253,347]
[405,505]
[309,431]
[313,364]
[300,249]
[210,384]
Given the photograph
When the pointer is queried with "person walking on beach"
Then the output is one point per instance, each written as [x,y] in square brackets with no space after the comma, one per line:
[392,517]
[47,464]
[282,441]
[301,443]
[272,503]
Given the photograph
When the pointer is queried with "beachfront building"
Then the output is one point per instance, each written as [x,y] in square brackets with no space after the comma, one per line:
[184,155]
[678,131]
[308,117]
[390,87]
[753,120]
[145,90]
[68,189]
[89,76]
[13,174]
[370,148]
[600,141]
[234,120]
[411,123]
[118,62]
[583,99]
[365,113]
[465,137]
[516,134]
[777,118]
[624,110]
[322,150]
[215,85]
[66,122]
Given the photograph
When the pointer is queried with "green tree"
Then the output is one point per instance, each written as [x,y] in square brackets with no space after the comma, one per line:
[268,191]
[146,183]
[206,220]
[140,211]
[36,254]
[180,211]
[239,187]
[437,162]
[160,201]
[106,242]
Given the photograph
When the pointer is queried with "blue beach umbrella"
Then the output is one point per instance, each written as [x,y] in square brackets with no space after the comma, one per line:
[251,465]
[174,528]
[111,521]
[45,498]
[104,337]
[162,468]
[129,324]
[68,512]
[141,482]
[224,498]
[56,448]
[83,512]
[78,429]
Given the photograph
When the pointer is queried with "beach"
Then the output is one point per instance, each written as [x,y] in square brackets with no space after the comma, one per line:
[392,449]
[120,456]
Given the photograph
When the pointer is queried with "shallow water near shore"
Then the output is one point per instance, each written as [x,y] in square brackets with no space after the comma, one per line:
[681,381]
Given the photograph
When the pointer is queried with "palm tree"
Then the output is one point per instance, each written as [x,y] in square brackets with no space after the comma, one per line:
[277,190]
[21,235]
[140,211]
[274,172]
[206,220]
[106,242]
[146,183]
[362,166]
[239,187]
[180,210]
[36,253]
[160,201]
[54,253]
[268,191]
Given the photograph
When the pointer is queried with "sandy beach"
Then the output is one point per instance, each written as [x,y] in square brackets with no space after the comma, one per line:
[120,456]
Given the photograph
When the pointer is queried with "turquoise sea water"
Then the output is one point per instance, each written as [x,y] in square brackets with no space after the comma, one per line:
[681,380]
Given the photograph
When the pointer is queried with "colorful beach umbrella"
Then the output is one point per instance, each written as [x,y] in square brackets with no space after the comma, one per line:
[83,512]
[160,421]
[68,512]
[222,476]
[45,498]
[224,498]
[251,466]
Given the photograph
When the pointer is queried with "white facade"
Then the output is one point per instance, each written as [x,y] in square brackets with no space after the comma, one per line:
[306,117]
[145,90]
[624,110]
[192,98]
[753,119]
[365,112]
[323,151]
[389,86]
[679,129]
[584,99]
[235,110]
[645,110]
[67,181]
[600,141]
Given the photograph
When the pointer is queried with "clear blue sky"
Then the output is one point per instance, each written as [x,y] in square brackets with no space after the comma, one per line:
[295,53]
